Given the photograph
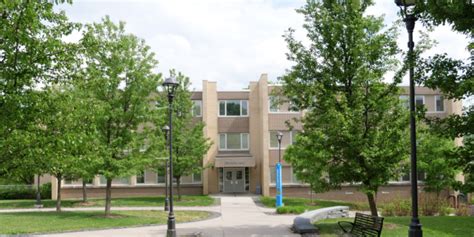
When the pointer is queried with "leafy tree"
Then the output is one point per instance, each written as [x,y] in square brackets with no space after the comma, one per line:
[118,73]
[453,77]
[32,53]
[435,159]
[62,135]
[189,142]
[354,130]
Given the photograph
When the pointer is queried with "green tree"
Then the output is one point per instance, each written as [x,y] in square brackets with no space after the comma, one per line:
[118,72]
[189,142]
[435,160]
[62,135]
[354,130]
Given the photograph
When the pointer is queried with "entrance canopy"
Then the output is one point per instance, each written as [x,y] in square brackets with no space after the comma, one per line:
[234,160]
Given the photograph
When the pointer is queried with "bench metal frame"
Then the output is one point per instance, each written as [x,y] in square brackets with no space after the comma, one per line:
[364,225]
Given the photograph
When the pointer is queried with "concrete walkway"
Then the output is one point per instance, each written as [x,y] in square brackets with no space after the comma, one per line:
[239,217]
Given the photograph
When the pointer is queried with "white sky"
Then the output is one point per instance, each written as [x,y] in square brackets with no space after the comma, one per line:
[232,41]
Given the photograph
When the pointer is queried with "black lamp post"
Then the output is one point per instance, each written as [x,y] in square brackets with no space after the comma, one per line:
[407,11]
[279,137]
[166,130]
[170,84]
[38,203]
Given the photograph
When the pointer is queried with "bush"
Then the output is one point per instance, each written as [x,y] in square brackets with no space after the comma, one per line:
[16,192]
[398,207]
[8,192]
[463,210]
[291,210]
[431,205]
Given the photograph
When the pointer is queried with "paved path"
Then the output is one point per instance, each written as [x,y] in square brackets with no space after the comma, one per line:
[239,217]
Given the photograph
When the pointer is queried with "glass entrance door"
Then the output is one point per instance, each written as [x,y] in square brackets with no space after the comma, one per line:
[234,180]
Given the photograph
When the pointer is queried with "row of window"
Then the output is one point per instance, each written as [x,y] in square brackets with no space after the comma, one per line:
[239,108]
[420,101]
[144,177]
[240,141]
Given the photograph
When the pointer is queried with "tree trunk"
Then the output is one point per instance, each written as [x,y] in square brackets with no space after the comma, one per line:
[178,182]
[58,199]
[108,197]
[373,206]
[84,191]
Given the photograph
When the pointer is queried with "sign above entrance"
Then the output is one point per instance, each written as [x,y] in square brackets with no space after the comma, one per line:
[234,162]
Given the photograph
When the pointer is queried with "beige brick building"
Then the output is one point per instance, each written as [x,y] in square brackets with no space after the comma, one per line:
[242,126]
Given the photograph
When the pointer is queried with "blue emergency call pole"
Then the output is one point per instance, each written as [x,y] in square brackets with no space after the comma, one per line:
[279,185]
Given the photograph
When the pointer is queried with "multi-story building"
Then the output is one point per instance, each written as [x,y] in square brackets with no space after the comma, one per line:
[242,126]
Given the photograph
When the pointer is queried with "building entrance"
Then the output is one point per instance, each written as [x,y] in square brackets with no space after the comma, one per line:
[234,180]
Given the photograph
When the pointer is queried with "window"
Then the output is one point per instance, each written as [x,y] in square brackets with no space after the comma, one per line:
[405,101]
[439,100]
[273,104]
[233,108]
[287,139]
[233,141]
[141,177]
[419,100]
[287,173]
[121,180]
[197,178]
[160,177]
[197,108]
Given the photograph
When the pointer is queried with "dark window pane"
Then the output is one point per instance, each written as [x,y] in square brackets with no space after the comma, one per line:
[222,108]
[233,108]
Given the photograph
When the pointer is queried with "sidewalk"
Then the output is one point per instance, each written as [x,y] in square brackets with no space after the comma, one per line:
[239,217]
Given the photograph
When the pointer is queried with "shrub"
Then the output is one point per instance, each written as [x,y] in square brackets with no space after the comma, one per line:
[16,192]
[24,192]
[291,210]
[398,207]
[463,210]
[431,205]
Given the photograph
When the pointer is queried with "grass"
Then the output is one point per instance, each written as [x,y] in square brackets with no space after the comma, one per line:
[445,226]
[300,205]
[188,200]
[48,222]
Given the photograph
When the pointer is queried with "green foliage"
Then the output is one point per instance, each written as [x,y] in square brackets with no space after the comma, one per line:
[300,205]
[435,159]
[32,54]
[46,191]
[118,76]
[9,192]
[458,13]
[397,207]
[354,130]
[189,143]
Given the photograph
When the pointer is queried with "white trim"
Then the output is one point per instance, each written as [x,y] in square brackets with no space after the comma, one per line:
[225,109]
[225,142]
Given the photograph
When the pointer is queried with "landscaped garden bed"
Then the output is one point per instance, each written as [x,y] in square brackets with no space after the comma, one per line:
[300,205]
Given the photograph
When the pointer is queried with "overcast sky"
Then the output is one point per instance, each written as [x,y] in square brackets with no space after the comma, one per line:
[232,41]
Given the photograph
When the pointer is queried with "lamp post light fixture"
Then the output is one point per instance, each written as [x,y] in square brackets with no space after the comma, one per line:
[407,11]
[279,185]
[166,130]
[170,85]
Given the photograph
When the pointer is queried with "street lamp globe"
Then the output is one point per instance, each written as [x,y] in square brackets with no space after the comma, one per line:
[170,84]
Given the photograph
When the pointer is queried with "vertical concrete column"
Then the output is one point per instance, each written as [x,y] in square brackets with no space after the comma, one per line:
[255,137]
[264,133]
[96,181]
[54,188]
[455,107]
[133,180]
[209,116]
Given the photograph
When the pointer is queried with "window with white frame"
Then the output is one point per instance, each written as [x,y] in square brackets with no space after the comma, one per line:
[197,177]
[419,100]
[141,177]
[405,99]
[273,104]
[439,102]
[287,173]
[233,108]
[233,141]
[287,139]
[197,108]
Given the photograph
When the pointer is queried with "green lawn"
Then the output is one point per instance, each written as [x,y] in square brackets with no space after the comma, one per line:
[300,205]
[47,222]
[191,200]
[398,226]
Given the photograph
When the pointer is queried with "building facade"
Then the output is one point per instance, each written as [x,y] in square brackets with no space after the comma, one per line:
[242,126]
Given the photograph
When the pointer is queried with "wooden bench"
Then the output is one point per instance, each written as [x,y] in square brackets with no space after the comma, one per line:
[363,225]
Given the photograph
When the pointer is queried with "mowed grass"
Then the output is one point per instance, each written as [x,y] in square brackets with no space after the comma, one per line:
[445,226]
[300,205]
[48,222]
[191,200]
